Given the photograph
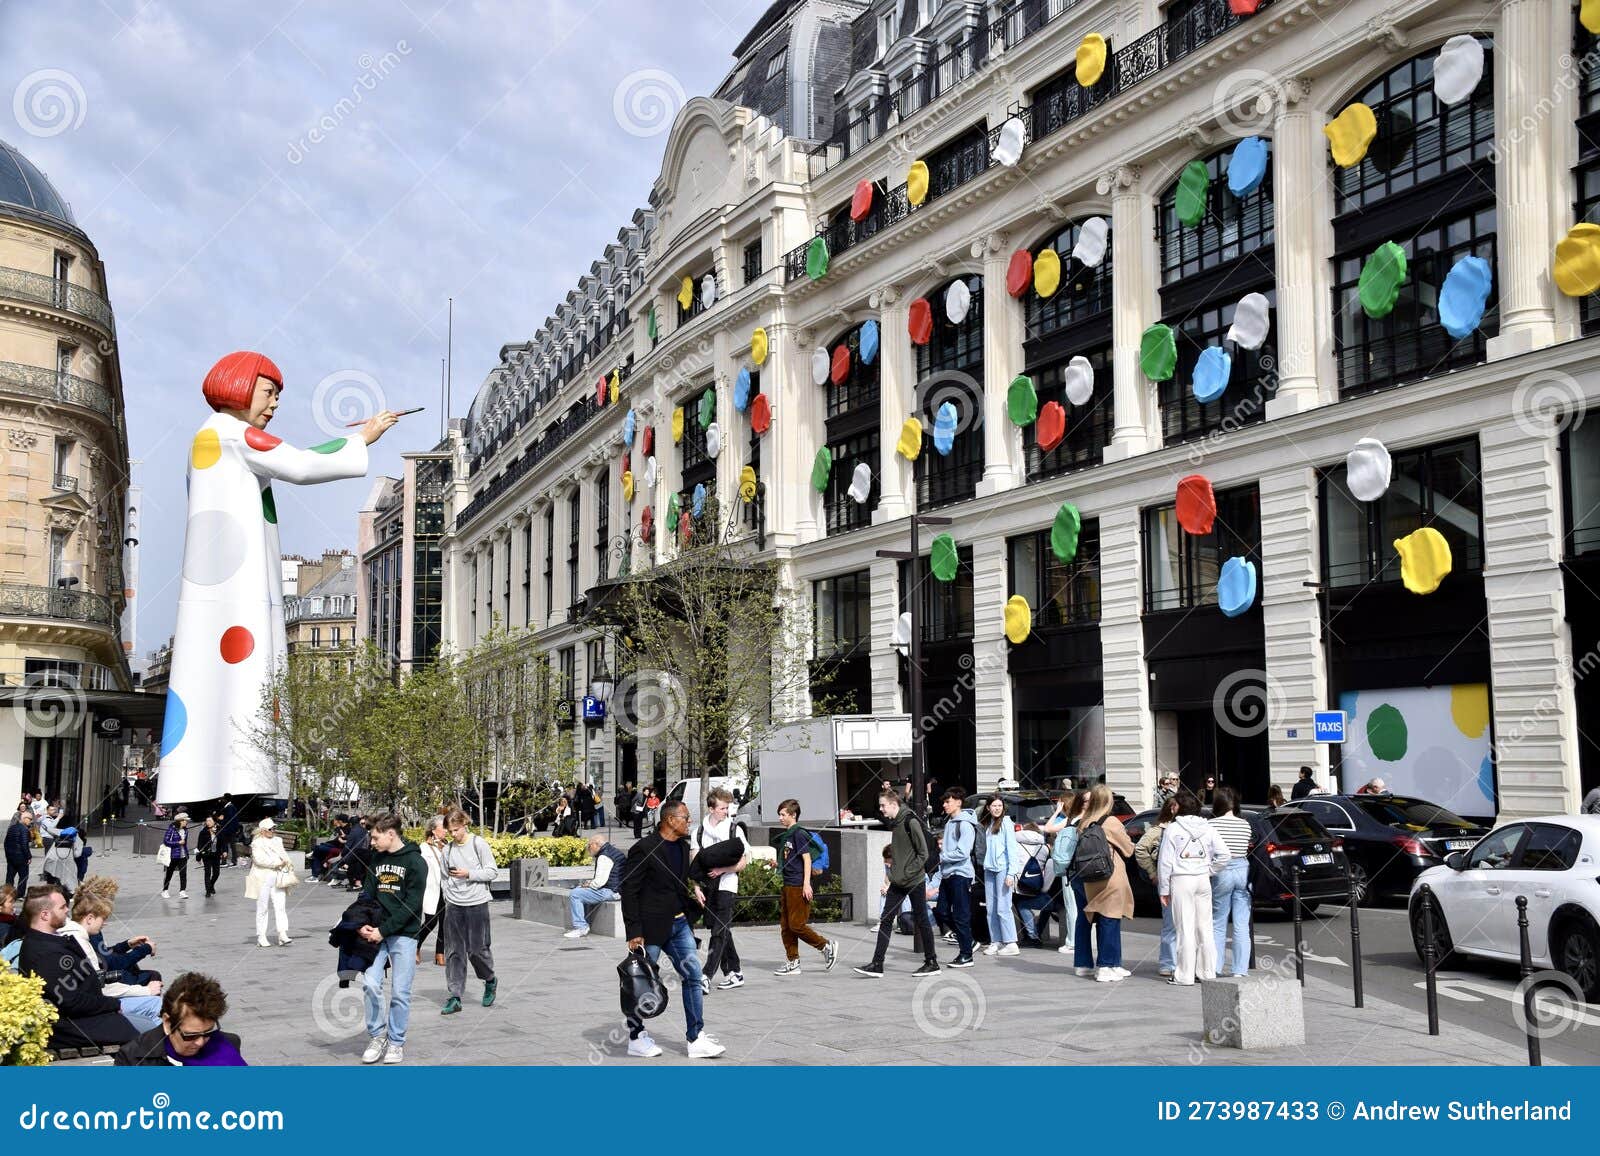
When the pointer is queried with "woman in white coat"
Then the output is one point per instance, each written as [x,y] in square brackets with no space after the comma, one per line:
[432,916]
[229,639]
[1191,850]
[267,860]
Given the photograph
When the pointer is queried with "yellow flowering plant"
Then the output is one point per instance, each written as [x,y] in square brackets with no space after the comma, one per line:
[26,1018]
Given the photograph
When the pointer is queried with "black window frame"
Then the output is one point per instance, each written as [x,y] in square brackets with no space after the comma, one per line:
[1252,378]
[859,393]
[602,526]
[549,560]
[694,465]
[752,266]
[1089,426]
[1437,200]
[950,367]
[1580,527]
[697,303]
[1078,580]
[1381,564]
[1088,298]
[1230,537]
[962,159]
[1586,173]
[858,583]
[844,513]
[946,609]
[574,537]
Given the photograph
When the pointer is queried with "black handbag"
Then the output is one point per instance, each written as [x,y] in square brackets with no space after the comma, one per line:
[644,996]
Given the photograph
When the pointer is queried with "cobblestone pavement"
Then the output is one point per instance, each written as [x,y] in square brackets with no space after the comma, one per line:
[558,999]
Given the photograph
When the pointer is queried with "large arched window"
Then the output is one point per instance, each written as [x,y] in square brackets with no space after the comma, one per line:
[1427,183]
[950,369]
[853,432]
[1205,269]
[1073,322]
[1587,172]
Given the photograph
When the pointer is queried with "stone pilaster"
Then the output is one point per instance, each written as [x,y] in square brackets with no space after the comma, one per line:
[989,671]
[1002,360]
[1297,681]
[1301,211]
[1134,306]
[896,380]
[885,660]
[1125,686]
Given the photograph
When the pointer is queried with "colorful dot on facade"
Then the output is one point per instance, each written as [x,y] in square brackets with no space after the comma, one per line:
[174,723]
[269,506]
[332,447]
[206,451]
[237,644]
[260,439]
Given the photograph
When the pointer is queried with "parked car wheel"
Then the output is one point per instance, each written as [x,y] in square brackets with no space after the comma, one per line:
[1360,884]
[1575,948]
[1442,943]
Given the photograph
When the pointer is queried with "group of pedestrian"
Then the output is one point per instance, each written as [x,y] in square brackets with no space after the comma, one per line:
[1201,868]
[44,825]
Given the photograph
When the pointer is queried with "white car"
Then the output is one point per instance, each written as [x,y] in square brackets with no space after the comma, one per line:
[1554,861]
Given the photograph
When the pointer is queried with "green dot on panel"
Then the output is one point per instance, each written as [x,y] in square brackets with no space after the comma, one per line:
[1386,734]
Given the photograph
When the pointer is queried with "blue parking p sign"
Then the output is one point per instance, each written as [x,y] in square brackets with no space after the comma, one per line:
[1328,726]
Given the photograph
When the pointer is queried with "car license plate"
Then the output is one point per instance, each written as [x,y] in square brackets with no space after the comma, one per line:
[1457,844]
[1313,860]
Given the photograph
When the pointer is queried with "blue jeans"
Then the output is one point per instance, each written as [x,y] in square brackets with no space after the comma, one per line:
[142,1011]
[1028,912]
[1107,936]
[997,898]
[955,893]
[1230,894]
[1168,955]
[680,949]
[400,953]
[319,856]
[584,897]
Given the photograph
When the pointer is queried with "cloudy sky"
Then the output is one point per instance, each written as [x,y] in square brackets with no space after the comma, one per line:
[478,153]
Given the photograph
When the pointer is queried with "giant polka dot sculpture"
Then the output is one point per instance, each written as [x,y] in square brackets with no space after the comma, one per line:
[1077,380]
[1008,147]
[1251,321]
[1457,69]
[1425,560]
[1368,468]
[819,366]
[868,342]
[1236,587]
[1090,248]
[1196,507]
[1019,273]
[1465,295]
[1018,620]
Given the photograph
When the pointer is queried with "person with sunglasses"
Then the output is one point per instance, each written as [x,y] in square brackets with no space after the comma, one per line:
[190,1035]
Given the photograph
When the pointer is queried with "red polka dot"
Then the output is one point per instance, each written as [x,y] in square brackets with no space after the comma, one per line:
[260,439]
[237,644]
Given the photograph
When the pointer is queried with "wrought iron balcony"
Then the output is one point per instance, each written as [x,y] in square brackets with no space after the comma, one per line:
[17,601]
[38,289]
[66,483]
[54,385]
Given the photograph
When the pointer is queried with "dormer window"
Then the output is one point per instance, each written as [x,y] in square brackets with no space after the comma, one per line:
[776,65]
[886,33]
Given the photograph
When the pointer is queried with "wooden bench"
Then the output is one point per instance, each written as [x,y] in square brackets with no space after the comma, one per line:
[82,1053]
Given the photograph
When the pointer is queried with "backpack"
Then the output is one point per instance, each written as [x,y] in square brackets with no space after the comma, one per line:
[1091,862]
[930,865]
[1066,844]
[820,861]
[1032,881]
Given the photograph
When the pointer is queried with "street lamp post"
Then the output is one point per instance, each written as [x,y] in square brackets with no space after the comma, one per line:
[918,768]
[601,684]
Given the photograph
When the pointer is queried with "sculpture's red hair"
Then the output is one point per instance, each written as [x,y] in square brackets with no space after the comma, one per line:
[232,381]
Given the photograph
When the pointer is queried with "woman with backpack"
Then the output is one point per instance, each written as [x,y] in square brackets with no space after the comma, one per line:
[1146,854]
[1002,864]
[1108,899]
[1063,825]
[1190,850]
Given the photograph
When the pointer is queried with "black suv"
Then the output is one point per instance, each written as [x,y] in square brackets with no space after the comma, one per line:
[1391,839]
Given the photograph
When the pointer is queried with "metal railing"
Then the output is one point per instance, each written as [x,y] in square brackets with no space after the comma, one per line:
[17,601]
[53,385]
[65,483]
[39,289]
[1127,67]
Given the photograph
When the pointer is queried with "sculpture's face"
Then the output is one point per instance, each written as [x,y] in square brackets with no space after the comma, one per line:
[264,402]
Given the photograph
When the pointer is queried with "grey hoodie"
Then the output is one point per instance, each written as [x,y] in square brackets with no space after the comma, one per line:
[478,860]
[955,848]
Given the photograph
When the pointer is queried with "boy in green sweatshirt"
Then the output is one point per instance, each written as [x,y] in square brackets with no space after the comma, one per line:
[397,879]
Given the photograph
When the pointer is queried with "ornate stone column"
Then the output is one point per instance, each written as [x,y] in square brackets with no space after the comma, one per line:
[1301,210]
[1134,306]
[1002,360]
[896,388]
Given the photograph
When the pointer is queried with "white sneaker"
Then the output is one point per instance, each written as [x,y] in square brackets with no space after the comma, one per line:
[792,967]
[1122,972]
[375,1050]
[644,1046]
[705,1047]
[705,985]
[1108,975]
[183,895]
[1065,949]
[1083,972]
[165,894]
[731,980]
[576,933]
[991,949]
[1010,949]
[394,1055]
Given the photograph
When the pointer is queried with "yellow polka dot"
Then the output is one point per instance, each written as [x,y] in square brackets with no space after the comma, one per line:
[206,451]
[1469,707]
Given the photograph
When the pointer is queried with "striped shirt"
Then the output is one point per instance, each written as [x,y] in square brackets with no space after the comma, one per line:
[1235,834]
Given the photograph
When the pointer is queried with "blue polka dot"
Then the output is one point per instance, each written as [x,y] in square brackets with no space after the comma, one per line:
[1486,778]
[174,724]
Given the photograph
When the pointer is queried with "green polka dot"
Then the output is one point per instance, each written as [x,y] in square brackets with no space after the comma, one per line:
[269,508]
[332,447]
[1386,734]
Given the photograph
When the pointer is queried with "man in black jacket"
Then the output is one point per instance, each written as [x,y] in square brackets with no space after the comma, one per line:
[907,880]
[19,849]
[659,905]
[88,1017]
[1305,786]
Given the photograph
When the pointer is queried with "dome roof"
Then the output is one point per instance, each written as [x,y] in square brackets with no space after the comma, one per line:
[24,186]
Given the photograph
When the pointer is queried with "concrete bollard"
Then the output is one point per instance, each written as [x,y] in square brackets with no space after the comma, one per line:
[1253,1012]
